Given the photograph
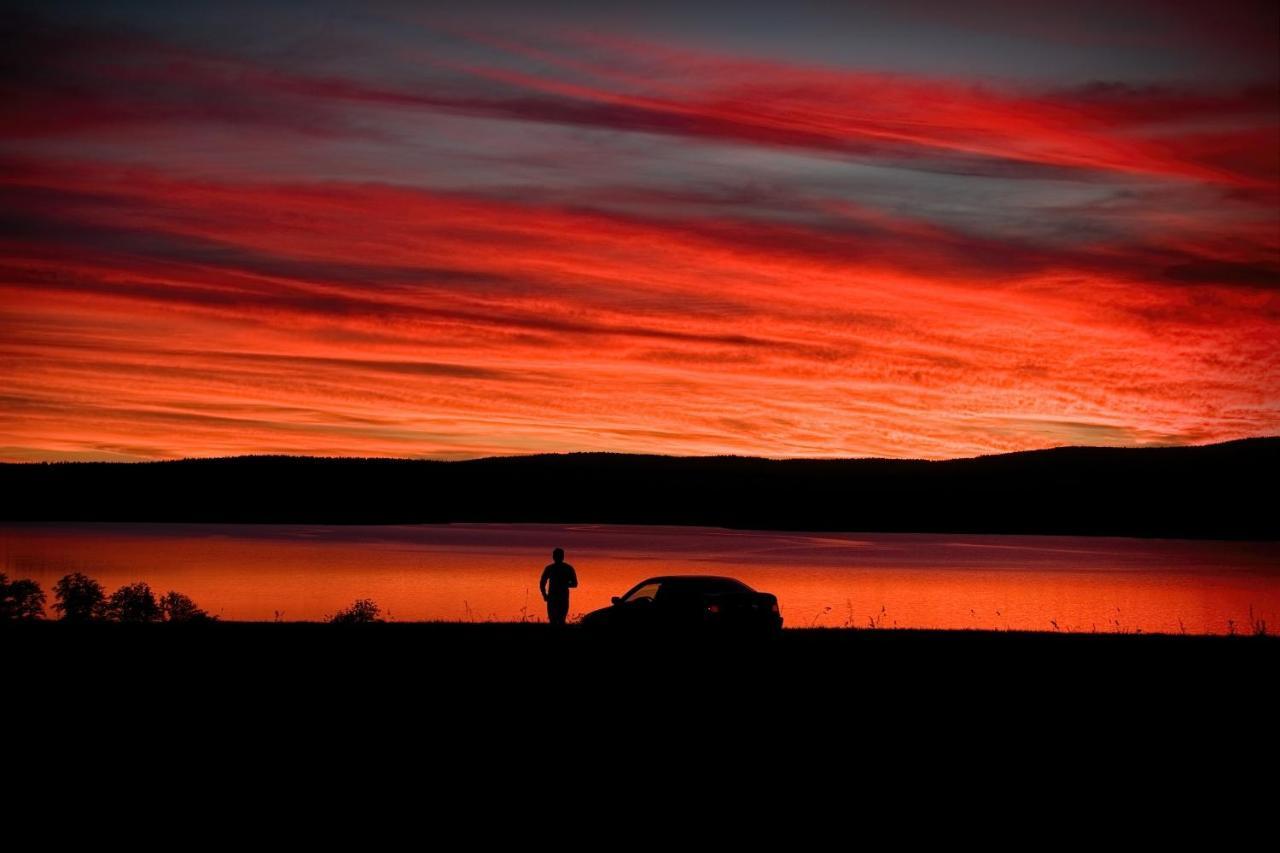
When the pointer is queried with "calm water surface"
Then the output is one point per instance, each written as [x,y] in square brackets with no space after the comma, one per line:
[490,571]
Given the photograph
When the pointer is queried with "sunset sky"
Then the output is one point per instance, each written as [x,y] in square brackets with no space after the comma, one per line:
[782,229]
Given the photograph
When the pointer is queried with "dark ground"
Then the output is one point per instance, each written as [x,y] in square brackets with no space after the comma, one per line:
[454,665]
[880,736]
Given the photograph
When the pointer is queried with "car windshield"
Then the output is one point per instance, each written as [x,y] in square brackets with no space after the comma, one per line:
[647,591]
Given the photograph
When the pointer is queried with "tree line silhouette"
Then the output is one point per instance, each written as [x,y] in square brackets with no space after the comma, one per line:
[80,598]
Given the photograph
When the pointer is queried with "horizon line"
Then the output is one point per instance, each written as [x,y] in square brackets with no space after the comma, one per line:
[566,453]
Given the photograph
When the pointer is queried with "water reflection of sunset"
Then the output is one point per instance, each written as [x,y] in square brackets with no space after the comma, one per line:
[484,572]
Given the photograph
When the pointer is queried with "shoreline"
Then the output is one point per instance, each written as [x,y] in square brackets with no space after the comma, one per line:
[578,634]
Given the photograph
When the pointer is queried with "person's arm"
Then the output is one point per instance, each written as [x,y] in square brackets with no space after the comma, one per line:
[573,578]
[542,584]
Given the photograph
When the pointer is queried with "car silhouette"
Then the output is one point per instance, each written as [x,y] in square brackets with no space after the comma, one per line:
[690,602]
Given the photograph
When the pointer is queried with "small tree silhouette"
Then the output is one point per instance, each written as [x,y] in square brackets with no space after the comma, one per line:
[133,603]
[20,600]
[80,598]
[176,607]
[362,612]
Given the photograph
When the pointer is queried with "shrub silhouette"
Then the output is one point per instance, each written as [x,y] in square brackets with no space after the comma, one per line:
[176,607]
[80,598]
[362,612]
[20,600]
[132,603]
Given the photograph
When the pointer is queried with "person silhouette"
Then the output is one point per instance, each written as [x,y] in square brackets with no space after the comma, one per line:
[557,579]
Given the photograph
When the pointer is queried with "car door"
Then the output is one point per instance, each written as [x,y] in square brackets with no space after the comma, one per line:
[679,603]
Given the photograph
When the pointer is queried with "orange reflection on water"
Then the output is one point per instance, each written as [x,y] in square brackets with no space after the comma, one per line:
[483,572]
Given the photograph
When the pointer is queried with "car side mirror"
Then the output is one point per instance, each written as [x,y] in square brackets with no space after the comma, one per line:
[617,600]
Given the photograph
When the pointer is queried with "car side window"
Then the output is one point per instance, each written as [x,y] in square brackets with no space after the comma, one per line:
[649,591]
[677,592]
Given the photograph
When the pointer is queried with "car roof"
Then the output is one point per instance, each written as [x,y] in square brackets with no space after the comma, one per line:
[666,578]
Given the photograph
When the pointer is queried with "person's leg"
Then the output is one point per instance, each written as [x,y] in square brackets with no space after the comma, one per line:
[558,609]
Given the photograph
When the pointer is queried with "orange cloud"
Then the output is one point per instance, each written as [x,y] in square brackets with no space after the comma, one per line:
[151,317]
[586,243]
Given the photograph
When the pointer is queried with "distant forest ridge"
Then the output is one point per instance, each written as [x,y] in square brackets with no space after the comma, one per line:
[1214,491]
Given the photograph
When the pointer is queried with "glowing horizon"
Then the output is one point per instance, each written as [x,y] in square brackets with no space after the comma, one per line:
[403,234]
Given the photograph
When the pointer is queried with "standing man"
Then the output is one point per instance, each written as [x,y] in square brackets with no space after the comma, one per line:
[557,579]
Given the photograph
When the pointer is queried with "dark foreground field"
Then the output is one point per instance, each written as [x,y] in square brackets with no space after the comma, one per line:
[256,712]
[449,664]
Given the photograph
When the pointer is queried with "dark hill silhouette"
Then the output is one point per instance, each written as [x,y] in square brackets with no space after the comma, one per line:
[1215,491]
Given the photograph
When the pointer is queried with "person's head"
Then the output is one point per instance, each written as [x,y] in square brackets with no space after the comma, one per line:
[558,555]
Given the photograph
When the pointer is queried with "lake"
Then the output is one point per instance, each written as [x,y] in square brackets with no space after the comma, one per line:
[490,572]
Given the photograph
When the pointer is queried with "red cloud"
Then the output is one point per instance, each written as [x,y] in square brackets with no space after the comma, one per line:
[74,81]
[199,318]
[206,305]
